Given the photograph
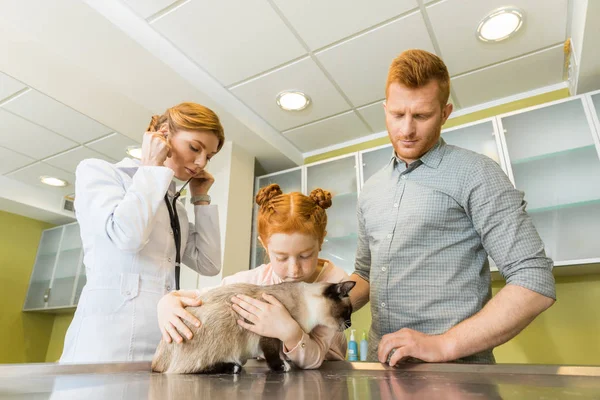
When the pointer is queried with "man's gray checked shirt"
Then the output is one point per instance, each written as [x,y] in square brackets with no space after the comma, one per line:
[425,232]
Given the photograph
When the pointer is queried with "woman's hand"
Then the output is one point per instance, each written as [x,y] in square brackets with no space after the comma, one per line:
[201,183]
[270,318]
[155,148]
[171,313]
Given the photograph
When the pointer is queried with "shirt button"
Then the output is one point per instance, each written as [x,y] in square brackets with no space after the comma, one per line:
[168,288]
[303,345]
[127,293]
[389,236]
[383,269]
[170,232]
[169,259]
[403,177]
[395,205]
[382,304]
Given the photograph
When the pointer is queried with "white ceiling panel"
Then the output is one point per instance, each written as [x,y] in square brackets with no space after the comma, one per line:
[113,146]
[47,112]
[328,132]
[517,76]
[232,40]
[31,175]
[69,160]
[260,94]
[9,86]
[146,8]
[10,160]
[313,20]
[360,65]
[375,116]
[27,138]
[455,23]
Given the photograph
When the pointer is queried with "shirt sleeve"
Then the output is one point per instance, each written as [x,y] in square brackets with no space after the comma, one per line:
[362,264]
[203,248]
[507,233]
[322,343]
[125,215]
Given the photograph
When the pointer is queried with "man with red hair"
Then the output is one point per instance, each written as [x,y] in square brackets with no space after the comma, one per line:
[427,223]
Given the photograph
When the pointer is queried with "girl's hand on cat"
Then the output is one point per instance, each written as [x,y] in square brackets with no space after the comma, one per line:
[172,312]
[262,316]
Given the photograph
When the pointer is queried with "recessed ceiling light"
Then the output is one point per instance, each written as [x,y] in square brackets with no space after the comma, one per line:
[500,24]
[52,181]
[292,100]
[135,152]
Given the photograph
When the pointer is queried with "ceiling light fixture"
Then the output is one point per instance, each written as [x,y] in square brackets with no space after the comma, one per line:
[134,151]
[500,24]
[292,100]
[52,181]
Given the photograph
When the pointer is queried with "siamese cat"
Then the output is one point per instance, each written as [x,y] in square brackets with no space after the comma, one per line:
[220,345]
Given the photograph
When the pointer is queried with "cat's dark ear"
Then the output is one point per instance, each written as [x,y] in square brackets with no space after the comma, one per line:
[339,290]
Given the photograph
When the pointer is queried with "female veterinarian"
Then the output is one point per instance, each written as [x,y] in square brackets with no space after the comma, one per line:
[135,233]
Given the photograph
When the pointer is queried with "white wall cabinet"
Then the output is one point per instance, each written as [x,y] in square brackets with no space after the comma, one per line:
[58,273]
[552,154]
[550,151]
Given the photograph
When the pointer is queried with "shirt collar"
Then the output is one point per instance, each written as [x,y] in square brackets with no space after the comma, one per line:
[432,158]
[130,167]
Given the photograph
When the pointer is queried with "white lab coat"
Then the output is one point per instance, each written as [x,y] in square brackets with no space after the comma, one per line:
[129,257]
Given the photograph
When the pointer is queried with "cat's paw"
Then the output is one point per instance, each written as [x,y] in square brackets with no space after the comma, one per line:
[282,366]
[236,369]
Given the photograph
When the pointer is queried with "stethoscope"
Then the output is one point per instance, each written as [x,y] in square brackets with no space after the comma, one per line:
[176,230]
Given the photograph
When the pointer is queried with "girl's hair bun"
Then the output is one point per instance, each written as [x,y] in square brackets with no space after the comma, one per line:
[321,197]
[266,194]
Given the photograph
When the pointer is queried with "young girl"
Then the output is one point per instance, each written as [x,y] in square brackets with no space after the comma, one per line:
[134,233]
[291,227]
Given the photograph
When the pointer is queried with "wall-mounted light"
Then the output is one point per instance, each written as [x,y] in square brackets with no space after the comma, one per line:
[52,181]
[292,100]
[134,151]
[500,24]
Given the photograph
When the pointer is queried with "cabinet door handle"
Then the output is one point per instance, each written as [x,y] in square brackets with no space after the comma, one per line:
[47,295]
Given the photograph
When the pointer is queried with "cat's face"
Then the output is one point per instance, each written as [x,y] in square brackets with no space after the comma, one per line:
[338,303]
[294,257]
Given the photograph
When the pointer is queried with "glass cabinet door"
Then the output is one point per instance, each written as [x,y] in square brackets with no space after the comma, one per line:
[480,138]
[554,160]
[39,286]
[289,181]
[340,178]
[69,260]
[373,160]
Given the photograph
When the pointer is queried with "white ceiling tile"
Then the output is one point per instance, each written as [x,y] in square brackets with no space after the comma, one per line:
[9,86]
[455,23]
[260,95]
[328,132]
[232,40]
[45,111]
[313,19]
[146,8]
[31,175]
[69,160]
[517,76]
[10,160]
[113,146]
[29,139]
[360,65]
[375,116]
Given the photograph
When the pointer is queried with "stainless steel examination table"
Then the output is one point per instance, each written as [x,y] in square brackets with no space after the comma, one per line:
[334,380]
